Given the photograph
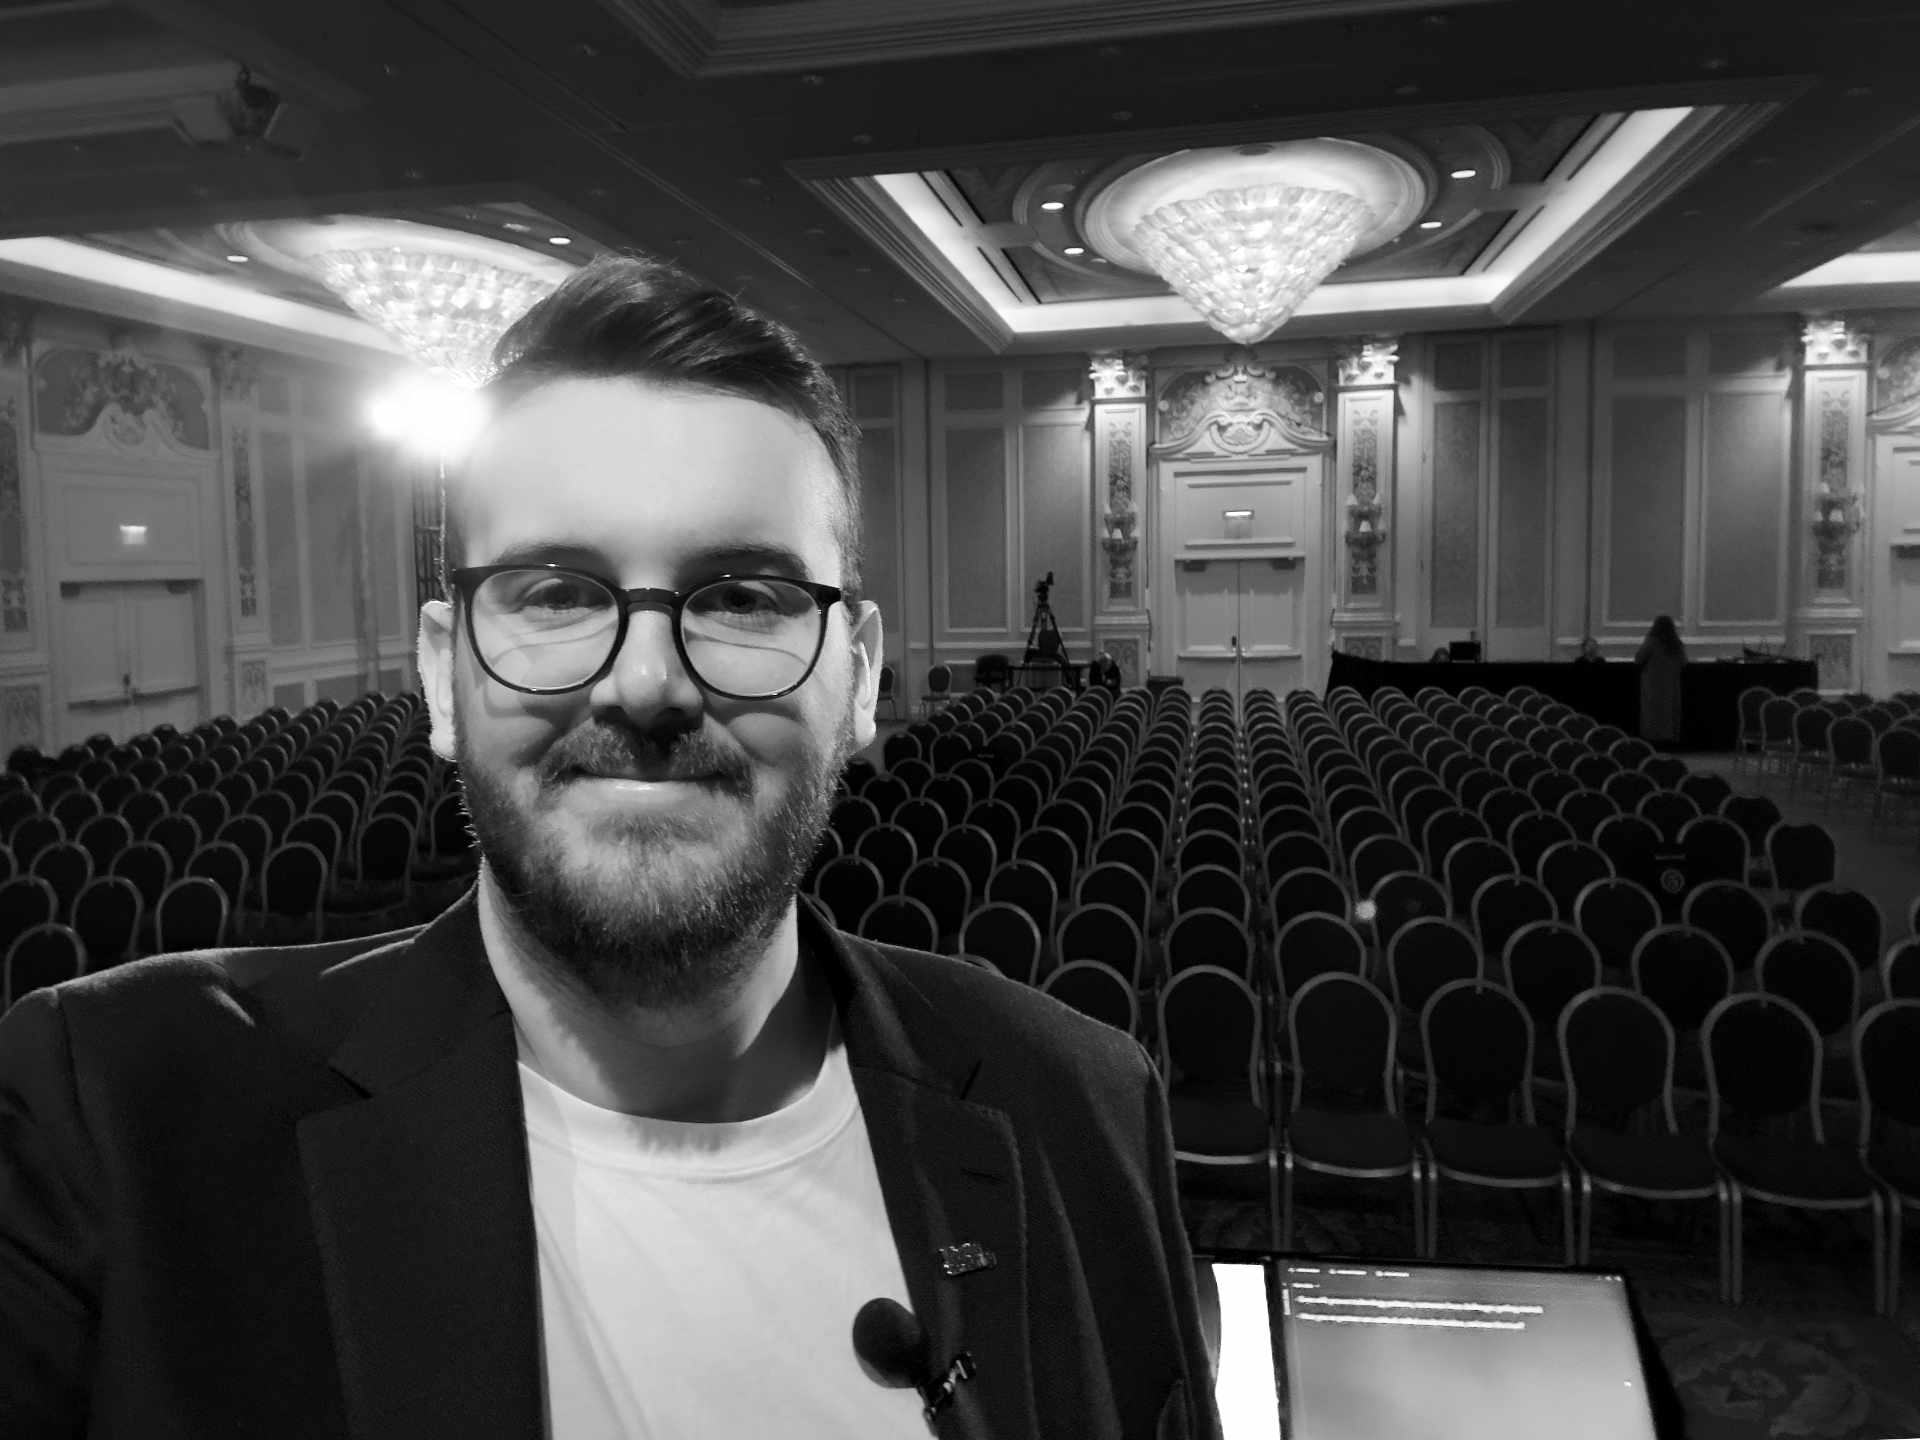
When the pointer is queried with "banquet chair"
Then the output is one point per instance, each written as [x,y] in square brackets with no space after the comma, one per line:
[1343,1118]
[1886,1057]
[1765,1129]
[1616,1049]
[1007,935]
[1097,990]
[1478,1041]
[1220,1087]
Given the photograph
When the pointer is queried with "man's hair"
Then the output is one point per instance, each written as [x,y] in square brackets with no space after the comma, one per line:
[624,317]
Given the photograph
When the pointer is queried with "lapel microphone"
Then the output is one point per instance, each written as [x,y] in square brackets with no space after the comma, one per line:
[893,1343]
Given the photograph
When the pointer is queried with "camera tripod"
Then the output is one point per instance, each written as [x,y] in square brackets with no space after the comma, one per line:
[1045,644]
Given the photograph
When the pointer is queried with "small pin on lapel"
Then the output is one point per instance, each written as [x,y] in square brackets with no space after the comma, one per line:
[966,1257]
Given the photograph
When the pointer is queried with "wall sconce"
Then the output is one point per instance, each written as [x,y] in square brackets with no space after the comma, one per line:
[1238,523]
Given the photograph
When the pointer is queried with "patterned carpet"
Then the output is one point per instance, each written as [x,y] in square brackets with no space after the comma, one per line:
[1803,1356]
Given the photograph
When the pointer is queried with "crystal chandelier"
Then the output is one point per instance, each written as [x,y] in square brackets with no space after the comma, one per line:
[444,309]
[1246,258]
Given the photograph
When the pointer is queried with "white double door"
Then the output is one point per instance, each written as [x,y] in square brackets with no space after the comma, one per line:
[130,657]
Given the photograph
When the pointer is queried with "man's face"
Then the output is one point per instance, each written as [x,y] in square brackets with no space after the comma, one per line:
[662,899]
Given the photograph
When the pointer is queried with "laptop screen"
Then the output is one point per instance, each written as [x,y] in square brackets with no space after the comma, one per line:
[1355,1350]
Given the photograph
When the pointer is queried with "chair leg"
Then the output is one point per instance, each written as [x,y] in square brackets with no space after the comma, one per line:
[1896,1222]
[1723,1234]
[1286,1202]
[1433,1213]
[1736,1241]
[1566,1214]
[1273,1198]
[1877,1216]
[1584,1253]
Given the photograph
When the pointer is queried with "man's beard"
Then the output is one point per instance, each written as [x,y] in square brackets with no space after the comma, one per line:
[649,927]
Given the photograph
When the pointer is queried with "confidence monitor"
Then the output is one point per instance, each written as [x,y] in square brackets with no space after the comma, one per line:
[1336,1349]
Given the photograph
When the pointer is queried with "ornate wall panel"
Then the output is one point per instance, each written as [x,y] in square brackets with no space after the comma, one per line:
[253,688]
[246,559]
[279,496]
[1831,609]
[1119,385]
[1523,468]
[976,529]
[22,708]
[1454,514]
[1646,509]
[16,603]
[1743,519]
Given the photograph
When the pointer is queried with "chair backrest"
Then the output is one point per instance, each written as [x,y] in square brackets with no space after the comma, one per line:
[1315,944]
[1684,971]
[1900,970]
[1503,904]
[1007,935]
[1096,990]
[42,955]
[1478,1042]
[1547,963]
[106,916]
[1341,1032]
[192,915]
[1801,855]
[1847,915]
[1425,954]
[1763,1064]
[294,879]
[1615,914]
[900,920]
[1616,1054]
[1568,868]
[1886,1067]
[1210,1029]
[1209,937]
[1814,972]
[1401,898]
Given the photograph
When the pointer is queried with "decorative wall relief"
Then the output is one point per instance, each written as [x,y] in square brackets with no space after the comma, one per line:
[1120,383]
[1121,517]
[243,521]
[1830,340]
[1370,647]
[253,687]
[1243,406]
[20,717]
[1365,534]
[1836,508]
[1896,385]
[1833,655]
[1118,376]
[14,617]
[235,369]
[124,392]
[1366,398]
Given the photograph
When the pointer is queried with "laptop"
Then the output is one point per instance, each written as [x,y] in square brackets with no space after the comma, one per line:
[1317,1348]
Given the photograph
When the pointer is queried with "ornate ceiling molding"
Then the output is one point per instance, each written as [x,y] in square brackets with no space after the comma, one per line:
[1830,341]
[704,39]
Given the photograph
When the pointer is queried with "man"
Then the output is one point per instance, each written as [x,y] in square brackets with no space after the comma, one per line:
[623,1142]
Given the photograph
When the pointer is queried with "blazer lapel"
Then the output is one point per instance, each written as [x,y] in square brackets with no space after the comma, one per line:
[949,1172]
[420,1199]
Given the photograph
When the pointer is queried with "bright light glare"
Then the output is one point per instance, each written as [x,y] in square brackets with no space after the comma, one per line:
[428,416]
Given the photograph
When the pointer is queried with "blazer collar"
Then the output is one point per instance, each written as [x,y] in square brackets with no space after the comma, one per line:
[420,1191]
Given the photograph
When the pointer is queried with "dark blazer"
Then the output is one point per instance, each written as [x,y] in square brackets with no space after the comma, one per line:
[284,1193]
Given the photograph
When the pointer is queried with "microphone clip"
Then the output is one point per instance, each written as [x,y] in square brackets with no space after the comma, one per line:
[940,1393]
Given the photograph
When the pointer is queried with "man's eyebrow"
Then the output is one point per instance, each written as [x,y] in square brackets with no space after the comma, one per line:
[755,555]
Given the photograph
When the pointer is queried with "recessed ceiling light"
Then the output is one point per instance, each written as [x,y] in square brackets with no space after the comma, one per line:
[1075,250]
[559,240]
[1099,260]
[1053,204]
[515,226]
[1464,174]
[1430,224]
[239,259]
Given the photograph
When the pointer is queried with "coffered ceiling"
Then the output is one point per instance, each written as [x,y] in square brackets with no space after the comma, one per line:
[869,170]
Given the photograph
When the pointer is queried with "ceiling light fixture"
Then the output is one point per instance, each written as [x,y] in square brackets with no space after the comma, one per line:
[1074,250]
[559,239]
[1430,224]
[239,259]
[1464,174]
[1053,204]
[1246,258]
[444,296]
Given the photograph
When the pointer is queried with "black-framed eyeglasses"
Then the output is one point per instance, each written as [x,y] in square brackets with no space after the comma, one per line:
[548,629]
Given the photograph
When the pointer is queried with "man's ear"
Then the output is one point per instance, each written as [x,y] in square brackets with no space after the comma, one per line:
[434,657]
[869,653]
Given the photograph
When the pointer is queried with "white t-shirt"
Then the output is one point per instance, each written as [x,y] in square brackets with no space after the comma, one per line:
[700,1280]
